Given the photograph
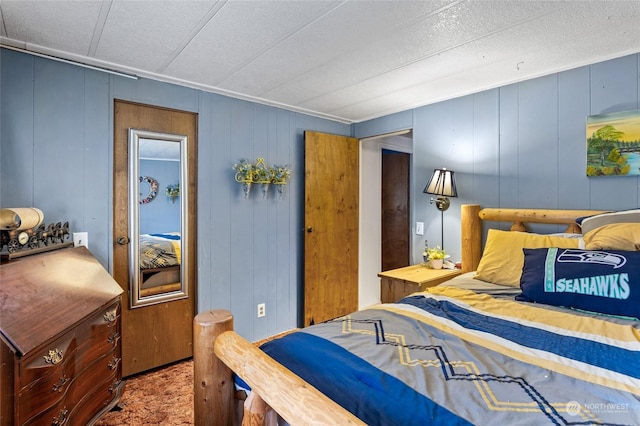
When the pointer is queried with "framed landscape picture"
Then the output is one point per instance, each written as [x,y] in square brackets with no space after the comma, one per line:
[613,144]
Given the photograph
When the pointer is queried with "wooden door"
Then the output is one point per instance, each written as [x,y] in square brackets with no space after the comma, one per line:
[395,210]
[331,226]
[157,334]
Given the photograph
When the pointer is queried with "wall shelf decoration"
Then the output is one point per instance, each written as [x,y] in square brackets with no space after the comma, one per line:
[172,191]
[262,175]
[249,173]
[244,175]
[280,177]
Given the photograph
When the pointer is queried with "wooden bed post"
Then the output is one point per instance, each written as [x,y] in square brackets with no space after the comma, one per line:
[212,380]
[471,236]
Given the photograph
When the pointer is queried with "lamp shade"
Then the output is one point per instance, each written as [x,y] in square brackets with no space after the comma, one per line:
[443,182]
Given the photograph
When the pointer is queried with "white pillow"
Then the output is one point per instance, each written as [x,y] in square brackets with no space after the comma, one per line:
[624,216]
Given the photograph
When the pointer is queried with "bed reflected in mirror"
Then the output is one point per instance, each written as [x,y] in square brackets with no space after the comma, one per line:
[156,253]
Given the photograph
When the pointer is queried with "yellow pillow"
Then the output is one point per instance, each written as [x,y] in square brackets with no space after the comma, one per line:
[616,236]
[503,258]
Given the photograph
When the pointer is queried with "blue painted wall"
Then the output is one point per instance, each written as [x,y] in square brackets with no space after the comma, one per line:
[161,214]
[521,145]
[56,153]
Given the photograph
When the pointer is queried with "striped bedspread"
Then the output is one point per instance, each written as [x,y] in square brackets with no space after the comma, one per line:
[451,356]
[159,250]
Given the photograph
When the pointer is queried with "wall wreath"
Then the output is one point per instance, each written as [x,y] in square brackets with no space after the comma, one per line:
[153,189]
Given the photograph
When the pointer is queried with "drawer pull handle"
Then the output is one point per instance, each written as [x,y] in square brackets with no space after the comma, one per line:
[110,316]
[60,385]
[53,357]
[113,337]
[114,385]
[61,418]
[113,364]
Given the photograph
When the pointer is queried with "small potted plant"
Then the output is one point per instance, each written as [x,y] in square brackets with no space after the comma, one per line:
[262,175]
[172,191]
[244,174]
[436,256]
[280,176]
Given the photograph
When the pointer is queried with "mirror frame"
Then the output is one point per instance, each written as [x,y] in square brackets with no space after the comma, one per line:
[135,299]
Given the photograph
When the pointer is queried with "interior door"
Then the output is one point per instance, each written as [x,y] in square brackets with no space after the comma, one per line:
[331,226]
[395,210]
[158,333]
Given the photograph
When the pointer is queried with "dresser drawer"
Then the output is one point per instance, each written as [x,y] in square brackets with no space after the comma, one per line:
[97,336]
[105,393]
[101,329]
[91,390]
[46,377]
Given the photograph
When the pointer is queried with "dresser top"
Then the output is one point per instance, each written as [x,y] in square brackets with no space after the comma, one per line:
[43,295]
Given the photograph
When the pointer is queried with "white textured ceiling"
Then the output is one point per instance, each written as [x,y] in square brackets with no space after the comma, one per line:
[346,60]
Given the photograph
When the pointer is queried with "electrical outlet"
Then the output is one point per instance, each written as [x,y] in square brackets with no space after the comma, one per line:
[419,228]
[81,239]
[262,310]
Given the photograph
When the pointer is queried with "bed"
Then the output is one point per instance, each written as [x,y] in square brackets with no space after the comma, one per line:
[516,339]
[159,263]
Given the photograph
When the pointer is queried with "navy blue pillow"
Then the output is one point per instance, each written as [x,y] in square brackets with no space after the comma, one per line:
[606,282]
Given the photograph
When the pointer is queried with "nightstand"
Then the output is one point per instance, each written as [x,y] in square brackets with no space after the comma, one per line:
[398,283]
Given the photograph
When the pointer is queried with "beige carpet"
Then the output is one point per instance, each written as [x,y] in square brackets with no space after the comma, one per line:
[159,397]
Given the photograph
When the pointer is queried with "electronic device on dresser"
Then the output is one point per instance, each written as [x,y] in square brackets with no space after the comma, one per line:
[60,351]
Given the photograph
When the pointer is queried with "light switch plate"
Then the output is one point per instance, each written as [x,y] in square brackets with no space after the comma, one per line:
[419,228]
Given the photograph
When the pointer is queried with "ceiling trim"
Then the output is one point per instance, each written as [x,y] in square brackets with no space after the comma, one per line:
[66,61]
[134,73]
[129,72]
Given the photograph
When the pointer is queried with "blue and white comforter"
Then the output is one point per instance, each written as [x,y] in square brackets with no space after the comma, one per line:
[450,356]
[159,250]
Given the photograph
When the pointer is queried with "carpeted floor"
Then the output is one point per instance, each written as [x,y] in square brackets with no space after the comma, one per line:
[159,397]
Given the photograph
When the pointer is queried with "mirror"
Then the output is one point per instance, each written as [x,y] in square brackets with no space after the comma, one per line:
[157,208]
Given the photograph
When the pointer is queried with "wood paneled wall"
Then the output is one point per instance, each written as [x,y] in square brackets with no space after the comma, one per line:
[56,154]
[521,145]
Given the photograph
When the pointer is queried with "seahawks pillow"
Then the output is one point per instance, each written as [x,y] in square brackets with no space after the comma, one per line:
[606,282]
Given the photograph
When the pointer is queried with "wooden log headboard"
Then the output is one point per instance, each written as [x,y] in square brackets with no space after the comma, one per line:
[471,217]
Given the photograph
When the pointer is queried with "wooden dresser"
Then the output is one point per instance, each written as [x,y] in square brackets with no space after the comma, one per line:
[60,353]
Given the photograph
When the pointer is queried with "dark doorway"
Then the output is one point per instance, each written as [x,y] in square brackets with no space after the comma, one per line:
[395,210]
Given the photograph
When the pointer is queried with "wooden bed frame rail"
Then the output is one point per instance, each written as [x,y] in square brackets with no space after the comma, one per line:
[276,387]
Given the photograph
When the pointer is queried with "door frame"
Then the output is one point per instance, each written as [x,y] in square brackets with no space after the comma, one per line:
[370,222]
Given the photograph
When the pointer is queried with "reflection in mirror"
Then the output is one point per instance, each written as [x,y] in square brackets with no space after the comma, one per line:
[157,161]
